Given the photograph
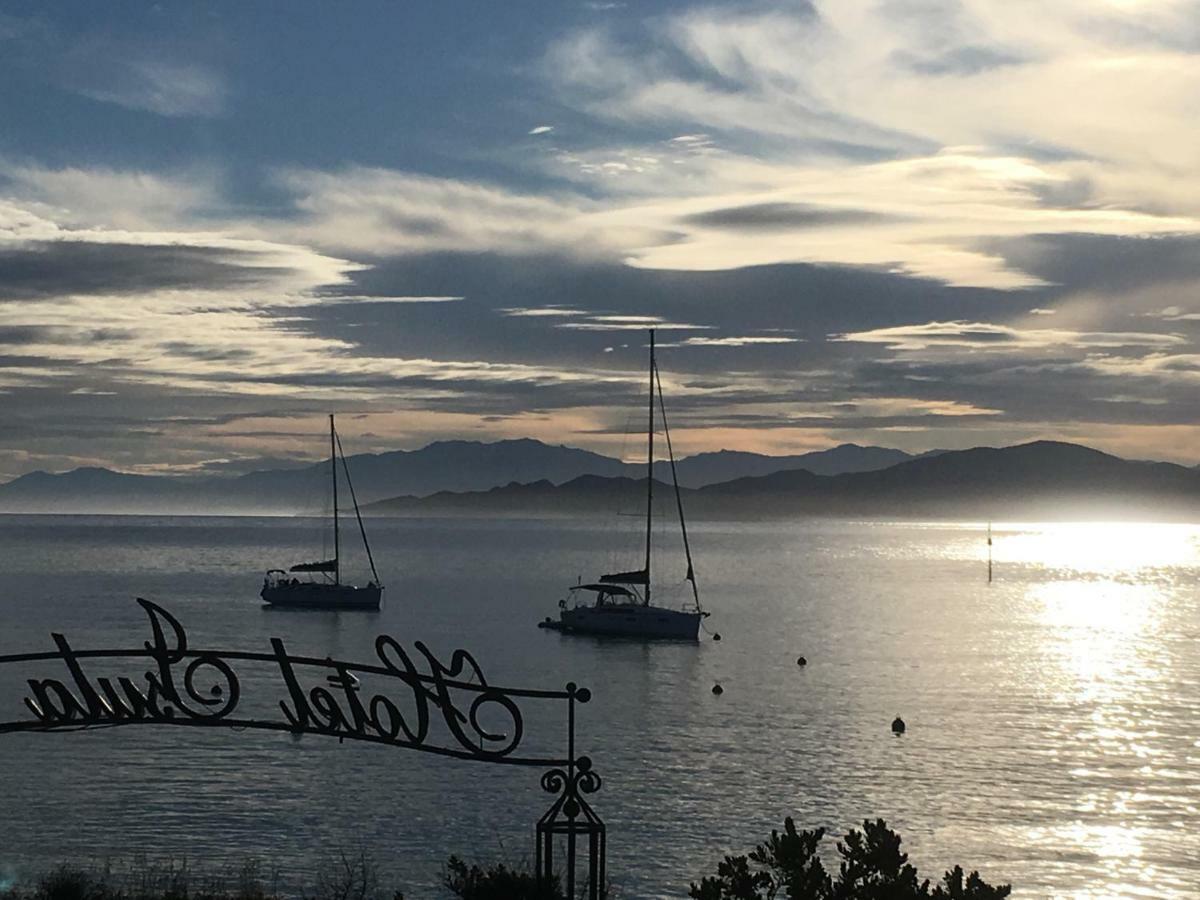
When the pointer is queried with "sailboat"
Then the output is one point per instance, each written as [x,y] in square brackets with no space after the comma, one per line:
[620,603]
[323,587]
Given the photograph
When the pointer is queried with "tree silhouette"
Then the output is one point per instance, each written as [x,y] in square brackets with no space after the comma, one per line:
[872,868]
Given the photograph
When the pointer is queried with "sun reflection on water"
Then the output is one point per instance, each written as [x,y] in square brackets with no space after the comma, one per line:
[1108,549]
[1098,599]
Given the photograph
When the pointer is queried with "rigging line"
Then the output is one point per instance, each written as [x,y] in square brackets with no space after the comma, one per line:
[362,530]
[687,550]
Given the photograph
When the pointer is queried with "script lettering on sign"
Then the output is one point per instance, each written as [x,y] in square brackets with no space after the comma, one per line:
[397,699]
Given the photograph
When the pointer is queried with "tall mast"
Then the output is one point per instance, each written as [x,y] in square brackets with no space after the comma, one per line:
[650,468]
[337,550]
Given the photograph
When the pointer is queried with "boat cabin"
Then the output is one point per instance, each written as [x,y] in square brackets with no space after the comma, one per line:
[611,594]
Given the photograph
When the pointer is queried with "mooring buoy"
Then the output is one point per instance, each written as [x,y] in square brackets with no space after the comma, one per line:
[801,661]
[898,726]
[717,689]
[717,636]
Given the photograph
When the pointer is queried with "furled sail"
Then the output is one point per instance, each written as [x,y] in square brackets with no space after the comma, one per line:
[325,565]
[640,576]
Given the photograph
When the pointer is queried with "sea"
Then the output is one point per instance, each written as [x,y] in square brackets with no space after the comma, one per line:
[1053,713]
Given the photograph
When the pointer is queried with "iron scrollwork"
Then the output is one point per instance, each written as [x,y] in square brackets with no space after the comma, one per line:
[183,686]
[572,785]
[570,817]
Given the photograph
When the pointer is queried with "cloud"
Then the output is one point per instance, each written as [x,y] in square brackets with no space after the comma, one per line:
[987,337]
[628,323]
[365,298]
[780,216]
[748,341]
[939,217]
[379,211]
[169,77]
[109,199]
[870,112]
[37,269]
[910,189]
[537,312]
[161,86]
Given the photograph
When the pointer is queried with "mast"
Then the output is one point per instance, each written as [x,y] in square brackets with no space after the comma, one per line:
[650,469]
[687,549]
[337,550]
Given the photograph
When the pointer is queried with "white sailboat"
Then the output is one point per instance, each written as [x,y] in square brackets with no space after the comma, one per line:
[323,588]
[620,603]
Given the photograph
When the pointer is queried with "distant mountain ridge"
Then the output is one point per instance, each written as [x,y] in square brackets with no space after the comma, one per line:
[1042,479]
[443,466]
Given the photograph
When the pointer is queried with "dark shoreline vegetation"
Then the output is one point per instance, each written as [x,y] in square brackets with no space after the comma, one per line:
[787,866]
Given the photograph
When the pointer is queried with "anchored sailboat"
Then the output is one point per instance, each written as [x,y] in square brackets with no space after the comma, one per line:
[323,589]
[620,602]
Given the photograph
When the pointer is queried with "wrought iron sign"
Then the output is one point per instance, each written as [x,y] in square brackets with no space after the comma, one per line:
[415,701]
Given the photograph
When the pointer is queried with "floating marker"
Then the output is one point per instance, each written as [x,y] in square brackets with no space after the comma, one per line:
[898,726]
[801,661]
[717,636]
[717,689]
[989,542]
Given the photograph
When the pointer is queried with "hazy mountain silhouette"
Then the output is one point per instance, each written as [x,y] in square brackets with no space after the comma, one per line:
[457,466]
[724,465]
[1044,479]
[96,490]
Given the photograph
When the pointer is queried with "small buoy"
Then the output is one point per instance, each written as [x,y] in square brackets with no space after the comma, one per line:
[717,636]
[898,726]
[801,661]
[717,689]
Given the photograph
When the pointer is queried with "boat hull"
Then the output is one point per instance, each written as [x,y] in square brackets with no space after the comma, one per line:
[314,595]
[623,620]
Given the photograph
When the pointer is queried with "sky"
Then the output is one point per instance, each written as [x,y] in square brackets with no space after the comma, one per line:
[916,223]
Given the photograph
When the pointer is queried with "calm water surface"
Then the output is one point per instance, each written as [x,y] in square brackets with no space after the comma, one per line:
[1053,717]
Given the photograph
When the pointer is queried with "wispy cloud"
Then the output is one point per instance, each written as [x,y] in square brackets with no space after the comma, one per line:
[161,86]
[381,211]
[629,323]
[984,336]
[372,298]
[853,134]
[733,341]
[540,312]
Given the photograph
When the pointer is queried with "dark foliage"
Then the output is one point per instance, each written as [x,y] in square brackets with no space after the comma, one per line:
[144,881]
[347,877]
[872,868]
[341,876]
[68,883]
[497,882]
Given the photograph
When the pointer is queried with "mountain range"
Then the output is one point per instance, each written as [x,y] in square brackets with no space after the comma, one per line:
[444,466]
[1043,480]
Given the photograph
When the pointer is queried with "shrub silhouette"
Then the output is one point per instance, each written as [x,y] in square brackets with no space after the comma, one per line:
[497,882]
[872,868]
